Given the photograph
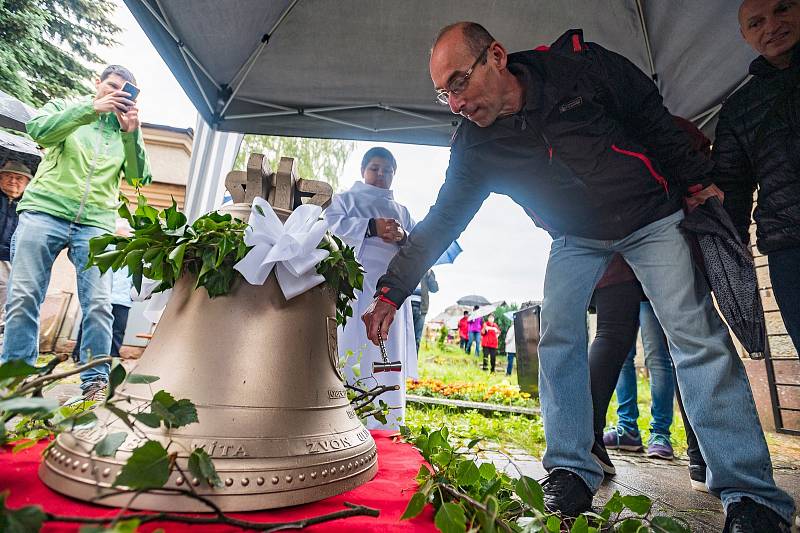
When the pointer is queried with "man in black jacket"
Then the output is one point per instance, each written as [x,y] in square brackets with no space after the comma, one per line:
[579,137]
[758,144]
[14,177]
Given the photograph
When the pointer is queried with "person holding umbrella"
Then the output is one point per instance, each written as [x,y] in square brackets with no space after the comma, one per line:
[757,145]
[490,333]
[14,177]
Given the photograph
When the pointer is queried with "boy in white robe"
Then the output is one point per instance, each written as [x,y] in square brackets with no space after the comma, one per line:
[367,218]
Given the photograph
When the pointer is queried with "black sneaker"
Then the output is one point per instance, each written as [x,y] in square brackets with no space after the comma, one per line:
[565,492]
[697,477]
[601,456]
[747,516]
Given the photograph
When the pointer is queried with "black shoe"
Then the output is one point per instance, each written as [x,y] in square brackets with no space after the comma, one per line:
[747,516]
[697,477]
[601,456]
[565,492]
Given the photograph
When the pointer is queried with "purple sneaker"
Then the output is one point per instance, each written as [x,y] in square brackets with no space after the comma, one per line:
[660,447]
[619,439]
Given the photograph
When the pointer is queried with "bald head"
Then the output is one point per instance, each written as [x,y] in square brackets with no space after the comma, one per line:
[771,28]
[474,36]
[468,70]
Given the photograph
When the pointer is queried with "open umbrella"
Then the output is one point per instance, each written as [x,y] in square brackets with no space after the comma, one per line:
[13,113]
[731,273]
[484,310]
[19,149]
[473,299]
[450,254]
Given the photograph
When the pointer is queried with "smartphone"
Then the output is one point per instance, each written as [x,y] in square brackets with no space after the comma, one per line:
[131,89]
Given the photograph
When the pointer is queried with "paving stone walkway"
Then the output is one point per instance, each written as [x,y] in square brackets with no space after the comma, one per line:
[664,482]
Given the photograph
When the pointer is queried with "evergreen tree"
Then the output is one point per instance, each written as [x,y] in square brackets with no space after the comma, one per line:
[46,46]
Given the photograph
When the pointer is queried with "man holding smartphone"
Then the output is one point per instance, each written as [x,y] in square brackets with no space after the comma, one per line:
[73,198]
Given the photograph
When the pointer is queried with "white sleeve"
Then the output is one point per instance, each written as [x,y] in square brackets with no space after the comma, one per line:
[351,229]
[408,223]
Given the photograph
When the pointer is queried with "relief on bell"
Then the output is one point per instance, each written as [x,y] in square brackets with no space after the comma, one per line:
[333,347]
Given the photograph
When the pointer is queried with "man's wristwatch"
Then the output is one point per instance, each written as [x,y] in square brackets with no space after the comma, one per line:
[372,228]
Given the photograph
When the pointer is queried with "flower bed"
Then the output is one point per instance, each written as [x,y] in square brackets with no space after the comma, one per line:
[503,393]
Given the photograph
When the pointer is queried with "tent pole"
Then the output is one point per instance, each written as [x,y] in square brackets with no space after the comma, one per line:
[265,104]
[710,113]
[247,66]
[181,45]
[404,112]
[262,115]
[425,127]
[186,54]
[642,22]
[337,121]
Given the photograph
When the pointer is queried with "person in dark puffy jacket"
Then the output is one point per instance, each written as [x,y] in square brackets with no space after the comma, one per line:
[758,145]
[14,177]
[579,136]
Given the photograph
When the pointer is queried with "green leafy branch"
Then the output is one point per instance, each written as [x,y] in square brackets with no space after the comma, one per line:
[163,248]
[468,496]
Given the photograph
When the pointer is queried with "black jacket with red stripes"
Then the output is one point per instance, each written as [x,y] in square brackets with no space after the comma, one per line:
[593,153]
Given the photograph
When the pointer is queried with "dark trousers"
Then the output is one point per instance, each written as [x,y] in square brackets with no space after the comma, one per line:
[463,342]
[617,322]
[120,313]
[492,353]
[784,271]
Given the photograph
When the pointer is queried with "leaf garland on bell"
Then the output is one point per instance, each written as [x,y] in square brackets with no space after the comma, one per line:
[163,247]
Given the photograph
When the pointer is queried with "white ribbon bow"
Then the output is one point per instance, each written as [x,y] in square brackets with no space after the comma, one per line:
[156,302]
[291,248]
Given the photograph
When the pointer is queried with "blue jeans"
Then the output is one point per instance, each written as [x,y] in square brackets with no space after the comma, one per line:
[783,268]
[510,358]
[662,383]
[474,336]
[34,247]
[718,399]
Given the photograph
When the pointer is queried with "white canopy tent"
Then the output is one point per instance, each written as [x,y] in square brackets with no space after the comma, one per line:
[358,70]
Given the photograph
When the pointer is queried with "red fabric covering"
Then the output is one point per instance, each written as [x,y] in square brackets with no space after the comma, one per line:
[389,491]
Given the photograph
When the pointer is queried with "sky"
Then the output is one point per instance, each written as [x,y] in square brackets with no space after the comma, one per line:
[504,254]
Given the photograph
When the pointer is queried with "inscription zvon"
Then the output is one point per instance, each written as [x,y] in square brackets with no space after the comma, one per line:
[337,393]
[326,445]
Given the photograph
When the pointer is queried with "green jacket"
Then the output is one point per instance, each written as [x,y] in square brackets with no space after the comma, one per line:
[78,179]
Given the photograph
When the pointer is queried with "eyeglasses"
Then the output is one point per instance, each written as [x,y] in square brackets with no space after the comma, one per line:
[459,85]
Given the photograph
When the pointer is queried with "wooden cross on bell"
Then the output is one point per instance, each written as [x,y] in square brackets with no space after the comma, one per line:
[283,189]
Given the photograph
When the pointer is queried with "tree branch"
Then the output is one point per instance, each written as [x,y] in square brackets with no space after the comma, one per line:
[352,510]
[371,395]
[475,503]
[41,380]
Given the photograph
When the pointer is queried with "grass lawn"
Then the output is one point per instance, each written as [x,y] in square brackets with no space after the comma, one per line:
[450,365]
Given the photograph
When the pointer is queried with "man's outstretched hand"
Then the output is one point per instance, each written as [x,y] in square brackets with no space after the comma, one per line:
[378,318]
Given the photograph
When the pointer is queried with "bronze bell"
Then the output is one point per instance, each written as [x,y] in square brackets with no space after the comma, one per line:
[262,371]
